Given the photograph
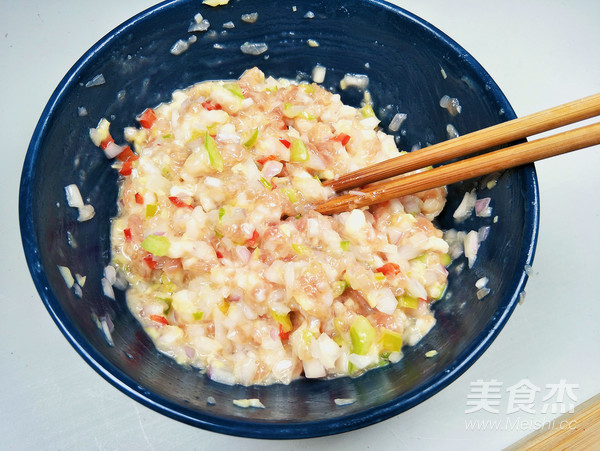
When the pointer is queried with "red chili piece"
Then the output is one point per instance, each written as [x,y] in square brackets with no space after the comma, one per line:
[263,160]
[159,319]
[147,118]
[389,269]
[210,105]
[342,138]
[283,335]
[252,241]
[179,203]
[150,261]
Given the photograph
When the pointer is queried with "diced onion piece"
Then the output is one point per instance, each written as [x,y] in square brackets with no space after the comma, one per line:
[451,104]
[250,18]
[309,15]
[113,149]
[466,206]
[386,302]
[254,48]
[214,3]
[110,274]
[221,375]
[312,43]
[431,353]
[203,25]
[397,121]
[107,288]
[471,245]
[73,195]
[86,213]
[105,327]
[96,81]
[318,73]
[245,403]
[451,131]
[359,81]
[271,168]
[313,369]
[179,47]
[482,208]
[482,292]
[100,133]
[66,275]
[344,401]
[482,282]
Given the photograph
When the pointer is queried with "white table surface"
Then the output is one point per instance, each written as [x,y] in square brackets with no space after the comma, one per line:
[540,52]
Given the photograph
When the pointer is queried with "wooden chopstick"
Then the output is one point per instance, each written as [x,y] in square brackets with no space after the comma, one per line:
[483,164]
[461,146]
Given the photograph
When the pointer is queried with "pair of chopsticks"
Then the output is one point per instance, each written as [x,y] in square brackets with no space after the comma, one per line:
[376,189]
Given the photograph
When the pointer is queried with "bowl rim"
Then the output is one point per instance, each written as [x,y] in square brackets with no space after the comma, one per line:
[249,428]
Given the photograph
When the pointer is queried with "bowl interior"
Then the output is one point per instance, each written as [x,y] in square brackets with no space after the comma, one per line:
[410,66]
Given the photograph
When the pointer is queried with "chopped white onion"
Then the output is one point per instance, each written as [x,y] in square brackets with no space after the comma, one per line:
[482,292]
[483,232]
[243,254]
[110,274]
[250,18]
[73,195]
[80,279]
[107,288]
[113,149]
[397,121]
[482,282]
[471,247]
[96,81]
[211,401]
[179,47]
[86,213]
[482,208]
[466,206]
[451,104]
[309,15]
[344,401]
[66,275]
[245,403]
[312,43]
[106,330]
[271,168]
[451,131]
[213,182]
[254,48]
[385,300]
[359,81]
[203,25]
[221,375]
[229,25]
[313,368]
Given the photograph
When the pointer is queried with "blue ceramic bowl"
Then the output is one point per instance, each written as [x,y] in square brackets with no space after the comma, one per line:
[410,64]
